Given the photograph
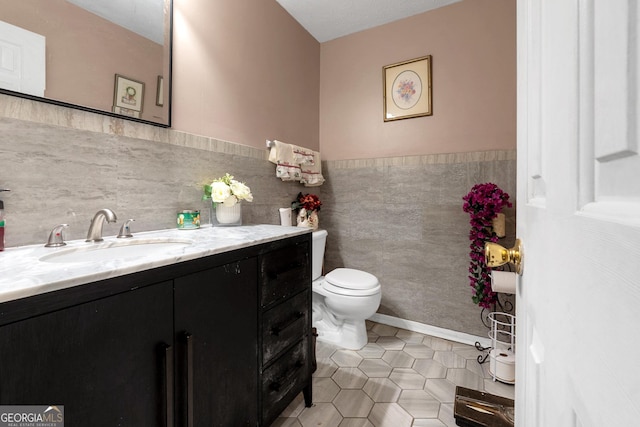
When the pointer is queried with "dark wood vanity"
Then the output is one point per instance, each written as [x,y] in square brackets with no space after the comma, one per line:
[223,340]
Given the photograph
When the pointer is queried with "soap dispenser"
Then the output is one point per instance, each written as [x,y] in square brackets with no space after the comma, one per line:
[2,222]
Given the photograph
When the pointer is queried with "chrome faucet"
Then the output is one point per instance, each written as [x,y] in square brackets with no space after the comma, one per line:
[95,229]
[55,237]
[125,230]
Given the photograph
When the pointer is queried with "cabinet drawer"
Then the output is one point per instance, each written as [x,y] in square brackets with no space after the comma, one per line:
[284,324]
[284,379]
[284,272]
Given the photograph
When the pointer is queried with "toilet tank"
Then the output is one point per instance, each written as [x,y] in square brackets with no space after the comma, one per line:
[319,240]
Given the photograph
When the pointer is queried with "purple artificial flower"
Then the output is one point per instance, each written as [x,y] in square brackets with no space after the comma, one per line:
[483,203]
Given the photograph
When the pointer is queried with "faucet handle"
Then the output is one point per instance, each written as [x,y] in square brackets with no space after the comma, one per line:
[125,230]
[55,238]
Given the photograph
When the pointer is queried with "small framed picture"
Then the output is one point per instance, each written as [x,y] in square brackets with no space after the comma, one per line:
[128,93]
[160,92]
[407,89]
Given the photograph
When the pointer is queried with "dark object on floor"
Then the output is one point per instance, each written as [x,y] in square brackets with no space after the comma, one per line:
[474,408]
[314,362]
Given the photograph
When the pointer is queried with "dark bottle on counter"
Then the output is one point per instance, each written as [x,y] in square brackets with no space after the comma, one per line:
[2,224]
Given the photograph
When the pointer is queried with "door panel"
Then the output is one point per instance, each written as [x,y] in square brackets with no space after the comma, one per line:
[578,213]
[610,89]
[22,60]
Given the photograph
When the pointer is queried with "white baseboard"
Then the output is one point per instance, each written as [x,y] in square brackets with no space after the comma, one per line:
[434,331]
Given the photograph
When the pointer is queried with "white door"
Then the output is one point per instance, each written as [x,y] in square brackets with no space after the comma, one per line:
[578,301]
[22,60]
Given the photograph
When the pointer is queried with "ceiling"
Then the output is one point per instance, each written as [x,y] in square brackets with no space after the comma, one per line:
[329,19]
[145,17]
[324,19]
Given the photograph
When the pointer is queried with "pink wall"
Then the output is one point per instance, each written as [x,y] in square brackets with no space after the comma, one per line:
[85,73]
[473,44]
[244,71]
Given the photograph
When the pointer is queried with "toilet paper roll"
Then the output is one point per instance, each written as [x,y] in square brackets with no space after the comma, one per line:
[503,281]
[285,217]
[502,365]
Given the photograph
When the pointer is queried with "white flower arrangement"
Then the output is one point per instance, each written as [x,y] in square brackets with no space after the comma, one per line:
[227,191]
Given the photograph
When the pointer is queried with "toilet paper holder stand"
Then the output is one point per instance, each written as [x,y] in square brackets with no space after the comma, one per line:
[501,353]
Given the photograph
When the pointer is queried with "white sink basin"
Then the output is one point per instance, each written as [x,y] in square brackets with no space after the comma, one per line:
[119,250]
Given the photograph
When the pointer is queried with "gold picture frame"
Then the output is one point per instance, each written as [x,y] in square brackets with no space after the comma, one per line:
[407,89]
[128,94]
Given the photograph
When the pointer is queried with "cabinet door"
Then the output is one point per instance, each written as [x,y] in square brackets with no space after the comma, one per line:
[217,364]
[103,360]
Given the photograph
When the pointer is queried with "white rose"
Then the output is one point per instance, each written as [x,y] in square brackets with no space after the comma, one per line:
[241,191]
[220,191]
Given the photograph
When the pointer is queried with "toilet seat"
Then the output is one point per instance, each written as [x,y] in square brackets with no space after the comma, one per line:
[351,282]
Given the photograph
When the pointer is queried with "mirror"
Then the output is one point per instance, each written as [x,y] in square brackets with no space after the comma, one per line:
[112,57]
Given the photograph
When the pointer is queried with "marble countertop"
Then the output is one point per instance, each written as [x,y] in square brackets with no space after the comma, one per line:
[24,271]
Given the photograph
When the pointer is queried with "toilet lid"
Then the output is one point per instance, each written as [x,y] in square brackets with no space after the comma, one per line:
[348,278]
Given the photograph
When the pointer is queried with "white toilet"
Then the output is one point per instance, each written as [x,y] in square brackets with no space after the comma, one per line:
[342,300]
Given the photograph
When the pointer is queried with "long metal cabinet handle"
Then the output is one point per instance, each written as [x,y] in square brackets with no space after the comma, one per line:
[168,391]
[281,327]
[189,339]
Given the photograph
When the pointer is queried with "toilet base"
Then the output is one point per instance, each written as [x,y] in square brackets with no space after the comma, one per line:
[350,335]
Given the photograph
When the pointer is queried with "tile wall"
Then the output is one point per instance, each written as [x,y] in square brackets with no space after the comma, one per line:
[401,219]
[398,218]
[63,165]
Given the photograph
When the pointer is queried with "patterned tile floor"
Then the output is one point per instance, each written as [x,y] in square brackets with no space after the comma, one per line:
[400,378]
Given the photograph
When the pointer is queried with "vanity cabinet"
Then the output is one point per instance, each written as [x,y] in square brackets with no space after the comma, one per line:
[222,340]
[103,360]
[216,348]
[285,301]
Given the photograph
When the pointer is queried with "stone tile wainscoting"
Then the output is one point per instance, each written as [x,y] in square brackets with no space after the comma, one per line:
[63,165]
[401,219]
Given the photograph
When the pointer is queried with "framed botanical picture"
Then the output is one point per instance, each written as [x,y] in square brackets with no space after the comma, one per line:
[128,93]
[407,89]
